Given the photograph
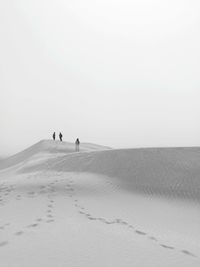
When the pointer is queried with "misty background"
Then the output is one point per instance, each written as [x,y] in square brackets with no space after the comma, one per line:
[119,73]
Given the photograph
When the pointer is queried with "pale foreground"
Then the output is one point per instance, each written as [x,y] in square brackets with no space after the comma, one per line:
[102,208]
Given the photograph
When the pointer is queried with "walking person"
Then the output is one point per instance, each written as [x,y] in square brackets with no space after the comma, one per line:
[54,136]
[77,143]
[60,136]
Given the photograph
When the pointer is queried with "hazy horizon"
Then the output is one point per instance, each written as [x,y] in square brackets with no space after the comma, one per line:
[114,73]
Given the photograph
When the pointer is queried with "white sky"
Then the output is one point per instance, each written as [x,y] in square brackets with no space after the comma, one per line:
[122,73]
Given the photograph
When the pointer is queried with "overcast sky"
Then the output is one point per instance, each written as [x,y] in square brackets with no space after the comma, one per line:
[123,73]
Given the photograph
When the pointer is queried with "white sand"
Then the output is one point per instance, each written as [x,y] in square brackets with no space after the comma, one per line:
[137,207]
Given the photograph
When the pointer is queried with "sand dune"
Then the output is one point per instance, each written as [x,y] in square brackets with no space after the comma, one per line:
[100,207]
[170,172]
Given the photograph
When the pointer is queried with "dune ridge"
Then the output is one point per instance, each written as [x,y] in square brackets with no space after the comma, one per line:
[47,147]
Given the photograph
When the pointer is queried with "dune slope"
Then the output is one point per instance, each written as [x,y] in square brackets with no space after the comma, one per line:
[170,172]
[100,207]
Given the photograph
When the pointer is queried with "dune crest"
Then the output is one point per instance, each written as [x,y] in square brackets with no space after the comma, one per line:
[47,148]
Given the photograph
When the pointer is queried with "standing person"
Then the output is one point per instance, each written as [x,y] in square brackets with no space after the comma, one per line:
[60,136]
[54,136]
[77,143]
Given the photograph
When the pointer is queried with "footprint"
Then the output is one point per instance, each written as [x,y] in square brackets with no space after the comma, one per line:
[92,218]
[123,222]
[107,222]
[118,220]
[4,243]
[188,253]
[42,192]
[31,193]
[81,212]
[101,219]
[140,232]
[19,233]
[153,238]
[49,221]
[33,225]
[165,246]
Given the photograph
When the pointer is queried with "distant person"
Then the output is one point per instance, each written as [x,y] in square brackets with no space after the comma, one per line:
[60,136]
[54,136]
[77,143]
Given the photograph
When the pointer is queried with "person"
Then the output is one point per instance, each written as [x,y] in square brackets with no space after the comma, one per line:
[77,143]
[60,136]
[54,136]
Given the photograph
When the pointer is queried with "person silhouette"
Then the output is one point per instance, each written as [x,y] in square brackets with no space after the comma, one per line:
[60,136]
[54,136]
[77,143]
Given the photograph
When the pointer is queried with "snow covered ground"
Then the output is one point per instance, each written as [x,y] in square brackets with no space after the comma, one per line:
[100,207]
